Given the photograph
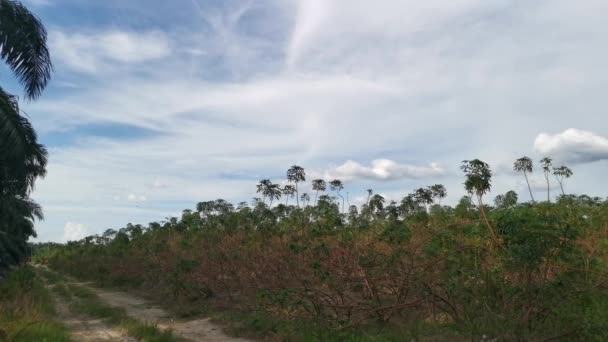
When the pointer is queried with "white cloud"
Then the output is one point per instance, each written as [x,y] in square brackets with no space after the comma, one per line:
[382,169]
[254,87]
[100,51]
[136,198]
[573,145]
[74,231]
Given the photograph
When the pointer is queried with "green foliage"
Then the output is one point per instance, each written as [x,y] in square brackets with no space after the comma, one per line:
[22,158]
[26,309]
[427,271]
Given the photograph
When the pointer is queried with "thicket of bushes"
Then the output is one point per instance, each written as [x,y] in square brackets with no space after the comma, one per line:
[515,271]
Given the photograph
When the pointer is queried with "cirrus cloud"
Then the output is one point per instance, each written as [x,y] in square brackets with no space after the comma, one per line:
[573,145]
[92,52]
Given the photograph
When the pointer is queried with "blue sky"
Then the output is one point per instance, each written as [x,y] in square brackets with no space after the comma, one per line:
[156,105]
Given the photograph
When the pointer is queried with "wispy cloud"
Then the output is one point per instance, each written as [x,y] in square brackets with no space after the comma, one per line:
[96,52]
[250,88]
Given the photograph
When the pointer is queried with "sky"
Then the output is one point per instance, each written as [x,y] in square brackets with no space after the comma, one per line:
[156,105]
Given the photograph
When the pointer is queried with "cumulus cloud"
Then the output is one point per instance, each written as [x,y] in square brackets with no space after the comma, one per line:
[74,231]
[96,51]
[382,169]
[573,145]
[253,87]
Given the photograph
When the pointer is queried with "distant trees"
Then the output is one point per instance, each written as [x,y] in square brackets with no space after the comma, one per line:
[507,200]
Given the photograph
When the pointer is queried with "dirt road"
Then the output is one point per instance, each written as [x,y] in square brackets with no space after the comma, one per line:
[87,329]
[143,311]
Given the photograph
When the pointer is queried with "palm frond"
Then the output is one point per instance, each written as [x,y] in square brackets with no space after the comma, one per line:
[22,158]
[23,47]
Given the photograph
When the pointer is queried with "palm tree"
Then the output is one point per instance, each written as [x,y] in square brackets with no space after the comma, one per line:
[22,160]
[560,173]
[318,185]
[546,163]
[336,185]
[296,174]
[524,165]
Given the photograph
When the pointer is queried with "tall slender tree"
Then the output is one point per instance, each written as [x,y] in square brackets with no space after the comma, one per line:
[479,183]
[288,191]
[546,164]
[273,192]
[262,188]
[525,166]
[318,185]
[337,186]
[295,175]
[560,174]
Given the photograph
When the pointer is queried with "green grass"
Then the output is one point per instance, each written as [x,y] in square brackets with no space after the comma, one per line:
[87,302]
[259,324]
[26,309]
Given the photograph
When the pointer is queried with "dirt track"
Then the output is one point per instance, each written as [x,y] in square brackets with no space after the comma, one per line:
[143,311]
[87,329]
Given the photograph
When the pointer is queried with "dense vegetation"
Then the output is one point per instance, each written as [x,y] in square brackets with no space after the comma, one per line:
[530,271]
[22,158]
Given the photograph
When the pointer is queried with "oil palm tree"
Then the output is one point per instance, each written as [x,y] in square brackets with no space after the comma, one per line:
[22,159]
[524,165]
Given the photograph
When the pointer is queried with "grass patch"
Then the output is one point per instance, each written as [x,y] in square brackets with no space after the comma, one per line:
[26,309]
[260,324]
[87,302]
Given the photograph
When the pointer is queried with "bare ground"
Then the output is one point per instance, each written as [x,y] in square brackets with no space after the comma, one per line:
[86,329]
[143,311]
